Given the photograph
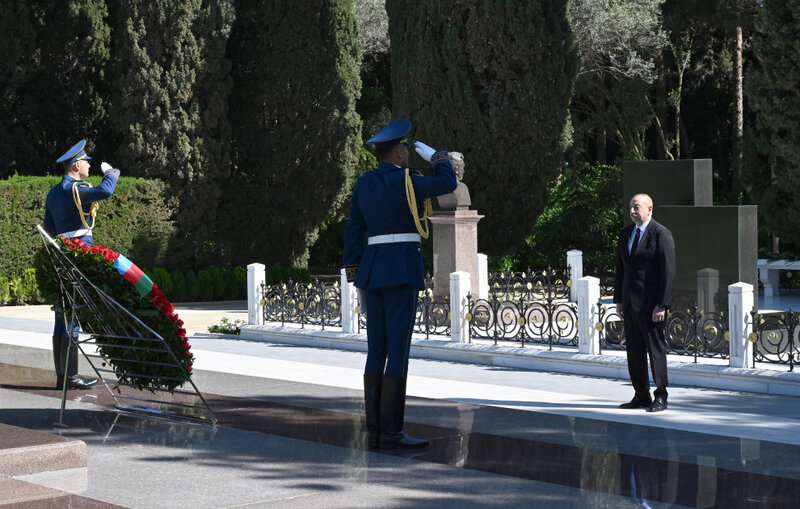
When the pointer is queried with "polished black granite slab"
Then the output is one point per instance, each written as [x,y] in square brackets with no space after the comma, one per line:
[640,462]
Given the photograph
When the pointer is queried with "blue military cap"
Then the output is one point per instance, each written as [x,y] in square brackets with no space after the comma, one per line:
[392,134]
[76,153]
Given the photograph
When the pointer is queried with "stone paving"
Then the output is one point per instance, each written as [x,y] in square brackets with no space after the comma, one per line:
[290,434]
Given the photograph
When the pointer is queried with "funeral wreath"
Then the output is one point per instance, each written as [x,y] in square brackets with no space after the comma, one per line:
[148,366]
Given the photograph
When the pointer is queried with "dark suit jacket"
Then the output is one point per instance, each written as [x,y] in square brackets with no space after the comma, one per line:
[645,279]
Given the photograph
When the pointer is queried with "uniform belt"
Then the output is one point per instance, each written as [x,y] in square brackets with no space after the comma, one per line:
[391,238]
[76,233]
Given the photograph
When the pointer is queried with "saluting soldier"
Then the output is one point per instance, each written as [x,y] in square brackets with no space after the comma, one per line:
[70,211]
[383,257]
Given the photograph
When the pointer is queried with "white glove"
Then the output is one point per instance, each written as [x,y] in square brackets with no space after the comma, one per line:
[424,151]
[105,167]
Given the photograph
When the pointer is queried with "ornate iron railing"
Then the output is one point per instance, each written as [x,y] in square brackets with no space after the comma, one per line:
[775,338]
[531,286]
[319,303]
[526,307]
[691,332]
[611,327]
[606,276]
[316,303]
[433,314]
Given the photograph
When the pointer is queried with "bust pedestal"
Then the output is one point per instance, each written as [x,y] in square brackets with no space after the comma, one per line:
[455,248]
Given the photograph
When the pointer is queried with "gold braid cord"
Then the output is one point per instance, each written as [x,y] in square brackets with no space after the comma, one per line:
[76,197]
[422,226]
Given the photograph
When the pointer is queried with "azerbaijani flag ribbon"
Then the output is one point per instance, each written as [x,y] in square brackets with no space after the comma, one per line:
[134,274]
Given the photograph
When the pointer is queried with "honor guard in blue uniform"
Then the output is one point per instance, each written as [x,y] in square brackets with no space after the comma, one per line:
[383,257]
[70,212]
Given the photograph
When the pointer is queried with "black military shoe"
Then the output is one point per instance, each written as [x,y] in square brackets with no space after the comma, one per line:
[637,402]
[76,382]
[659,405]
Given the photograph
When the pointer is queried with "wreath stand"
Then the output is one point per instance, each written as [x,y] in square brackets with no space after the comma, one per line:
[129,333]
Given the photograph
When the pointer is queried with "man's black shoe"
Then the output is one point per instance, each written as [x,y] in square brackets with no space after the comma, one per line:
[76,382]
[637,402]
[400,440]
[659,405]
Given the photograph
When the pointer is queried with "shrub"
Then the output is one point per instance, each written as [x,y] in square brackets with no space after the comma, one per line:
[5,291]
[205,286]
[24,289]
[192,289]
[134,221]
[217,283]
[178,286]
[231,291]
[240,279]
[162,278]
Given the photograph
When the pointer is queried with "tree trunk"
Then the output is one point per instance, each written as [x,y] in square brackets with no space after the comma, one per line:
[736,164]
[661,107]
[600,131]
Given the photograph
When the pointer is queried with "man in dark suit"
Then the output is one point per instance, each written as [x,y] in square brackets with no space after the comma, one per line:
[642,292]
[383,257]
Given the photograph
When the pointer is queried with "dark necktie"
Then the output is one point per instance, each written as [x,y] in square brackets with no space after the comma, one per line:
[635,241]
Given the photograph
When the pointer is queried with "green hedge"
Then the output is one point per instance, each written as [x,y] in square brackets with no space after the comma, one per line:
[135,221]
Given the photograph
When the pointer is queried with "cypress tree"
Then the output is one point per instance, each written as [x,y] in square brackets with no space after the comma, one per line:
[295,129]
[493,82]
[169,105]
[773,168]
[53,80]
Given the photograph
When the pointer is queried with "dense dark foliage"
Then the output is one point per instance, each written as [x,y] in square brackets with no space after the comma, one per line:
[249,112]
[296,135]
[774,151]
[53,80]
[493,82]
[169,106]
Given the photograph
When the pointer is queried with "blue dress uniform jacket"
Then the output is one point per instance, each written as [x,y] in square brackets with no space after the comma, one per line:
[61,215]
[378,207]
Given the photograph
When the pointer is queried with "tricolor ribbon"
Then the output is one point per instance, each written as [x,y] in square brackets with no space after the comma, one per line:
[134,274]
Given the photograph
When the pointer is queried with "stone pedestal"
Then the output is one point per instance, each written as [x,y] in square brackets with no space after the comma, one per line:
[455,248]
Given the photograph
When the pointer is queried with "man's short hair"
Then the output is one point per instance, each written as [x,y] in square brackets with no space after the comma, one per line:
[383,153]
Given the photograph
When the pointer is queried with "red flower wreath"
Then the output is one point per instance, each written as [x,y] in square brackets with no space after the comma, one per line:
[96,263]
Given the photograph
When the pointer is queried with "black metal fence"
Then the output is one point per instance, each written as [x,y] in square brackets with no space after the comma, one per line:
[775,338]
[526,307]
[319,303]
[316,303]
[530,285]
[606,276]
[691,332]
[533,307]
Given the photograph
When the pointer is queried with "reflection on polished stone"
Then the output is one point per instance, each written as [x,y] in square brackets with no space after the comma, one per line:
[649,465]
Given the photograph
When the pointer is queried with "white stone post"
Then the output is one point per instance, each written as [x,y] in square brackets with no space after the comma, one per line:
[575,264]
[460,286]
[740,324]
[483,277]
[256,276]
[770,279]
[349,304]
[588,290]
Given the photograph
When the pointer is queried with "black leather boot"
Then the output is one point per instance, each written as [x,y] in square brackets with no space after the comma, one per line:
[372,407]
[63,349]
[393,407]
